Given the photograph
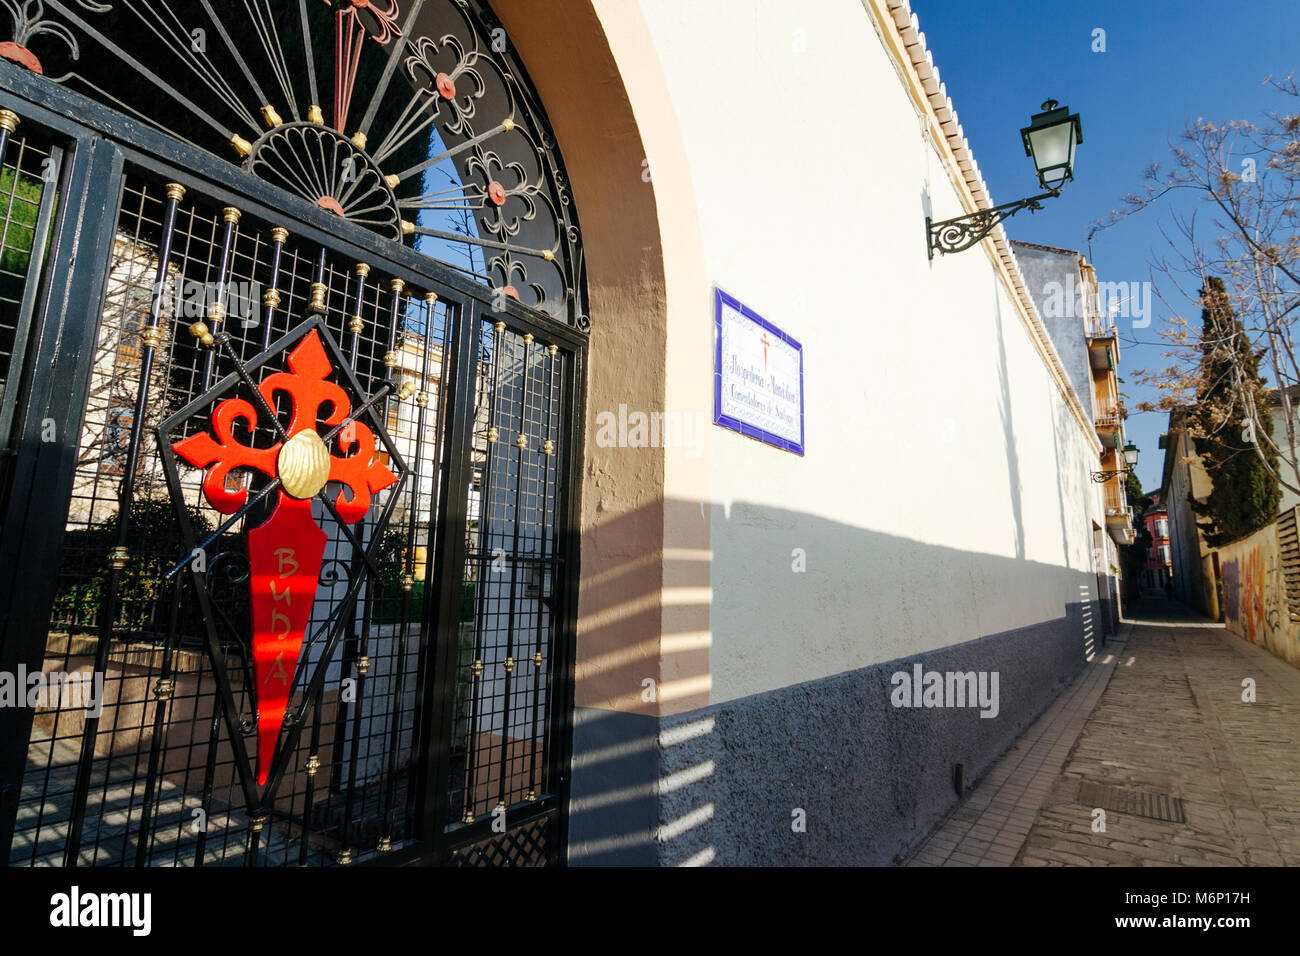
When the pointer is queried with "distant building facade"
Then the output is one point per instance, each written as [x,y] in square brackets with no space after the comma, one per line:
[1194,563]
[1159,564]
[1064,287]
[1278,406]
[1182,480]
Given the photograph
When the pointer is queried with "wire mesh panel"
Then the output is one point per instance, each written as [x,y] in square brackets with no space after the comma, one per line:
[502,743]
[23,182]
[28,191]
[151,656]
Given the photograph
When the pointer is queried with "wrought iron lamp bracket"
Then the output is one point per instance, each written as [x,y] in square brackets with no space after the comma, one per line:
[959,234]
[1101,477]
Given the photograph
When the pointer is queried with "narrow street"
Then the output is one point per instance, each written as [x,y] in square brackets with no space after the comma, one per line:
[1188,773]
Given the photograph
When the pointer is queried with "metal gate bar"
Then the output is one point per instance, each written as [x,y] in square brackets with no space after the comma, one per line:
[227,253]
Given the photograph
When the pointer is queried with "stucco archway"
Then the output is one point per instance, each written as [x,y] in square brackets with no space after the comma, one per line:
[645,558]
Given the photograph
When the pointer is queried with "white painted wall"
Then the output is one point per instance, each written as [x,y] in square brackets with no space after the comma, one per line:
[944,494]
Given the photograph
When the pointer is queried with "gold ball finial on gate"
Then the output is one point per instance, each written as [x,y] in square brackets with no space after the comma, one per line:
[201,332]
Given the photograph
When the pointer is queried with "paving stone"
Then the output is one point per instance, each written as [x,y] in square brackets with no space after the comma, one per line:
[1160,712]
[1173,717]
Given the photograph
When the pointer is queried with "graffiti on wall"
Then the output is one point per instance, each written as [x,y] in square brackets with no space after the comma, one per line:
[1248,601]
[1254,594]
[1273,592]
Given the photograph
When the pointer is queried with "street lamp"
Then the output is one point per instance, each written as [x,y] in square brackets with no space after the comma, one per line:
[1050,140]
[1130,461]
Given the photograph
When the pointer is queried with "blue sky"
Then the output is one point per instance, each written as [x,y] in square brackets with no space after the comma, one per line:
[1165,63]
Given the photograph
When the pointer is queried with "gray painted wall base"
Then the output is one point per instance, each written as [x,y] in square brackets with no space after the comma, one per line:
[721,784]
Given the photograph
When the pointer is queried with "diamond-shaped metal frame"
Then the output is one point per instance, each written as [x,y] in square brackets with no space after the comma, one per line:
[260,799]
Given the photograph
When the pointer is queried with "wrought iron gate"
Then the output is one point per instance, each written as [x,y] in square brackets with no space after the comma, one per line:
[288,560]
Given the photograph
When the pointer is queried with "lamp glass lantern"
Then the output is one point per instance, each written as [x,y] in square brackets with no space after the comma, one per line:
[1050,140]
[1131,454]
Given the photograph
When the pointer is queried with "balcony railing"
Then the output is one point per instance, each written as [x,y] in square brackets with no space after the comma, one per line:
[1095,324]
[1108,417]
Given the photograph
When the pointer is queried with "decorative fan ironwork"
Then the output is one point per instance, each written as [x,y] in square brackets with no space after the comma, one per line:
[417,123]
[307,159]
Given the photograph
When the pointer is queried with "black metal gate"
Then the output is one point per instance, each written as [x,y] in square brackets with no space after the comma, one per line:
[199,371]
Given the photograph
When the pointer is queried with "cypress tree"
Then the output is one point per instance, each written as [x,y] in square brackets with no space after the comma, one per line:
[1245,496]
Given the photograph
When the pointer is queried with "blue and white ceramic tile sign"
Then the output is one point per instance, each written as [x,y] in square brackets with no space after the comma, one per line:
[757,377]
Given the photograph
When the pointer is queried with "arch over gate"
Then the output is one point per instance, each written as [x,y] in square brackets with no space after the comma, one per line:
[304,541]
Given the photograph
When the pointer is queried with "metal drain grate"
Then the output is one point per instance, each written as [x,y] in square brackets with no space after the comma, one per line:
[1141,803]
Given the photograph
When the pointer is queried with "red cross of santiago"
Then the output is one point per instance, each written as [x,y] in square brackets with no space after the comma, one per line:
[285,552]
